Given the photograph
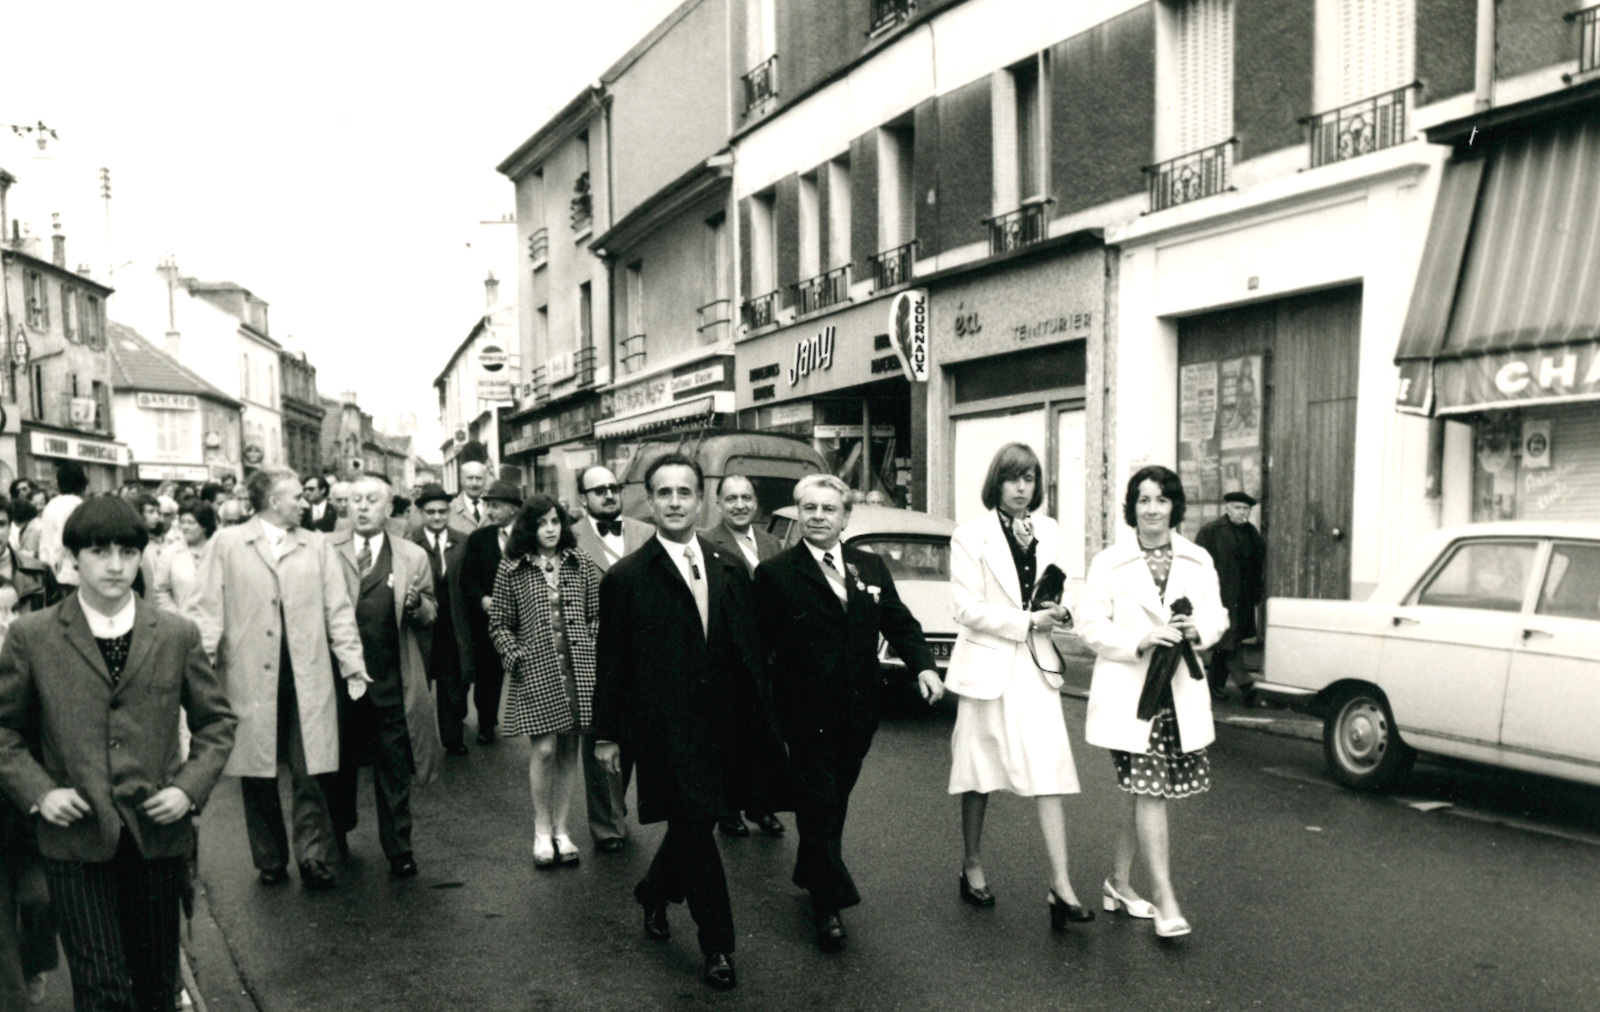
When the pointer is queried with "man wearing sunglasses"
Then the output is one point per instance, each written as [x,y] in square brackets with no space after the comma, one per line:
[605,535]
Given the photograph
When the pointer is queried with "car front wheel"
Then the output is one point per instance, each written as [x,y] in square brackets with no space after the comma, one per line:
[1361,744]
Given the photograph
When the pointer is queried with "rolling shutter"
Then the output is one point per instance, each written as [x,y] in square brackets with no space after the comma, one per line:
[1375,51]
[1205,73]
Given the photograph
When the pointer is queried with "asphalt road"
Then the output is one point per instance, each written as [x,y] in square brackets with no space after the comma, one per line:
[1303,896]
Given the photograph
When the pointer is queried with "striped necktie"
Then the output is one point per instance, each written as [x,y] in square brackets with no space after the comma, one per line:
[831,571]
[364,557]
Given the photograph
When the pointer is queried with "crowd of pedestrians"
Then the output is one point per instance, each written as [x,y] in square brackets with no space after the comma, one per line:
[303,628]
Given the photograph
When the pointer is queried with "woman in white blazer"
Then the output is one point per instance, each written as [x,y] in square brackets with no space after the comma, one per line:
[1124,613]
[1009,734]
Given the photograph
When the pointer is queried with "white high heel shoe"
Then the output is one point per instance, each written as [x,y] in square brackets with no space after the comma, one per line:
[1113,900]
[1172,928]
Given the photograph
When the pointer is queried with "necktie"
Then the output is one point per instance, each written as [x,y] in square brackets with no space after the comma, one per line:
[697,584]
[364,557]
[831,571]
[611,528]
[438,552]
[477,517]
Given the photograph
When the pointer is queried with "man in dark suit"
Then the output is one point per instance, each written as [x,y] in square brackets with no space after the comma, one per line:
[606,536]
[485,547]
[677,685]
[90,691]
[820,607]
[319,514]
[447,646]
[470,510]
[1240,554]
[737,533]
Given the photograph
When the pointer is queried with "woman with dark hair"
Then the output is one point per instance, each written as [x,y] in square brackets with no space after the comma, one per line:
[1155,590]
[543,616]
[1010,734]
[177,564]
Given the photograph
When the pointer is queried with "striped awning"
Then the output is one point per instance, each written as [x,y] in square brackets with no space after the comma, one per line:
[1506,308]
[662,419]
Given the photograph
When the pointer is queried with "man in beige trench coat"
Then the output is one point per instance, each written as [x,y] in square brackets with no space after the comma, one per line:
[271,600]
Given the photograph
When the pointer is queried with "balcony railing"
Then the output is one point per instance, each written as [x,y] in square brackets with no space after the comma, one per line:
[1202,173]
[633,354]
[540,381]
[714,318]
[761,311]
[1588,21]
[1015,229]
[583,366]
[893,267]
[887,13]
[1359,128]
[761,83]
[822,291]
[539,245]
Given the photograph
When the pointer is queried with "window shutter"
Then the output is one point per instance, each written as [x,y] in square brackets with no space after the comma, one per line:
[1004,112]
[1205,73]
[1376,51]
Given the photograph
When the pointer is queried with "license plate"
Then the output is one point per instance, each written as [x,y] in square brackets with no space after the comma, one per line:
[941,649]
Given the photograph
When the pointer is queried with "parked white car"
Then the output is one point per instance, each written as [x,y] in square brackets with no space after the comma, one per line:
[1483,644]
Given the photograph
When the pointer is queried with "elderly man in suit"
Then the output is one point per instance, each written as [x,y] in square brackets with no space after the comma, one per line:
[485,547]
[470,510]
[272,601]
[393,725]
[447,644]
[678,684]
[90,692]
[821,607]
[319,515]
[737,532]
[605,535]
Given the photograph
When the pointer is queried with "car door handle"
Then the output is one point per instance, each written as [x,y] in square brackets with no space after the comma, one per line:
[1400,620]
[1528,634]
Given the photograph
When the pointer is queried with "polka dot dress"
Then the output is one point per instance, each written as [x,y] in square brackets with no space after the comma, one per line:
[1165,771]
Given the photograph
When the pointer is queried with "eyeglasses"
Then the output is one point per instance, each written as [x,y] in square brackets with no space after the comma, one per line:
[602,490]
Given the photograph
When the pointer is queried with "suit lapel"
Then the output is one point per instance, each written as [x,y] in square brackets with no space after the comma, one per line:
[809,567]
[997,553]
[78,634]
[668,571]
[144,635]
[258,536]
[715,558]
[369,579]
[401,580]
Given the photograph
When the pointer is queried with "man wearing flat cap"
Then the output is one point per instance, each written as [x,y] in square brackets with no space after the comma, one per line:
[485,547]
[448,649]
[1240,554]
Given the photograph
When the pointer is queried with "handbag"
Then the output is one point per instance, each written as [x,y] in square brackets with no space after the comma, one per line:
[1164,663]
[1048,591]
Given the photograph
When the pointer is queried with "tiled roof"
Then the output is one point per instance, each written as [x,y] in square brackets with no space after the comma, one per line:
[137,364]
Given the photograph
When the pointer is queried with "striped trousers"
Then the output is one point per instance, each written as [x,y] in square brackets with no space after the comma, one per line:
[119,927]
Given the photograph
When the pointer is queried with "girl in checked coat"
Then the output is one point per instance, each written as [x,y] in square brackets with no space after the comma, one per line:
[1124,613]
[543,618]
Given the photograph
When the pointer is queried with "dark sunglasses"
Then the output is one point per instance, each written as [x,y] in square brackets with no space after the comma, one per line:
[602,490]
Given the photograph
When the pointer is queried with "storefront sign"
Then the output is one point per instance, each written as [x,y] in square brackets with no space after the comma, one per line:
[815,352]
[1567,373]
[850,431]
[167,402]
[1535,444]
[173,472]
[908,330]
[803,361]
[791,414]
[703,377]
[652,393]
[94,451]
[1046,302]
[494,389]
[492,358]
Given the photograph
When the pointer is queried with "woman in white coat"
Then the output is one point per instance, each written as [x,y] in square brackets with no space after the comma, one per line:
[1124,613]
[1010,734]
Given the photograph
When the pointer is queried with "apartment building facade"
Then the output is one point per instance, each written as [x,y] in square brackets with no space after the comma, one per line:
[178,427]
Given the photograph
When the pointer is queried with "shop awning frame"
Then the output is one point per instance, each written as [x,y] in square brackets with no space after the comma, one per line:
[660,419]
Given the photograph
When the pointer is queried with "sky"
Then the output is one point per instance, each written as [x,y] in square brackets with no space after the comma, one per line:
[334,158]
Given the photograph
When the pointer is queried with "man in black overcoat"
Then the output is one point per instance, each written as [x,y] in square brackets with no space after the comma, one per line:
[1240,554]
[677,685]
[820,607]
[447,645]
[485,547]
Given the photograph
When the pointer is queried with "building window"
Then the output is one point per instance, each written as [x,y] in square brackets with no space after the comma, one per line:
[1196,90]
[93,322]
[839,196]
[38,301]
[761,51]
[1365,71]
[69,314]
[36,393]
[633,355]
[102,406]
[716,309]
[897,208]
[763,244]
[809,239]
[1019,135]
[583,198]
[174,432]
[585,316]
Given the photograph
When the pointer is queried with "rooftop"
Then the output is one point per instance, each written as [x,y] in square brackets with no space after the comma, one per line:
[137,364]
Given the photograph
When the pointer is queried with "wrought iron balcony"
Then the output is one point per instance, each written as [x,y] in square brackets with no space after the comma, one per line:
[822,291]
[1359,128]
[539,245]
[761,311]
[887,13]
[893,267]
[1588,21]
[1015,229]
[1202,173]
[633,354]
[583,366]
[761,83]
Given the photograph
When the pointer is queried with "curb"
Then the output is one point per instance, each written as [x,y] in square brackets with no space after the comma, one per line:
[210,972]
[1290,725]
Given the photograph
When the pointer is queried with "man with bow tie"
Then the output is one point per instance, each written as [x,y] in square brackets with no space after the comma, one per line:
[447,646]
[606,536]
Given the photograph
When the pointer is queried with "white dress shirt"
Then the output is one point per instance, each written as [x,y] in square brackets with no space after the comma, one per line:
[438,544]
[693,574]
[374,542]
[747,544]
[834,573]
[276,537]
[613,542]
[109,627]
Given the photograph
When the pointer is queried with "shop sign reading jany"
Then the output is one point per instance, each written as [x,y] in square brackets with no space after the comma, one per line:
[810,353]
[1567,373]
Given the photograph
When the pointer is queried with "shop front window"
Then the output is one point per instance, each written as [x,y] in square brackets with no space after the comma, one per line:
[1539,463]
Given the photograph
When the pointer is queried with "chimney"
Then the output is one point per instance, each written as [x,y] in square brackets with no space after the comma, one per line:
[491,292]
[348,397]
[173,343]
[58,242]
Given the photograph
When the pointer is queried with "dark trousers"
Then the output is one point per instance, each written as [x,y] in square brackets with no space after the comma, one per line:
[450,695]
[376,729]
[1226,663]
[263,814]
[822,775]
[27,921]
[119,927]
[688,866]
[489,681]
[605,794]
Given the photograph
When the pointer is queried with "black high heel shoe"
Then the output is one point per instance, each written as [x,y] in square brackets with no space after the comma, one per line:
[979,897]
[1061,912]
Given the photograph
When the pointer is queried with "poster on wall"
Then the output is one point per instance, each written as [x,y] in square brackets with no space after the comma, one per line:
[1220,442]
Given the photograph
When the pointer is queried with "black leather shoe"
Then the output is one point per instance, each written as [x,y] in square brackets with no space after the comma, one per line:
[1219,695]
[342,841]
[274,876]
[486,737]
[455,750]
[1061,912]
[316,875]
[769,824]
[733,827]
[830,932]
[404,866]
[610,845]
[719,971]
[655,914]
[979,897]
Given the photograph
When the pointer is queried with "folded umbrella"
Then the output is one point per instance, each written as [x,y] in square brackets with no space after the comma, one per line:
[1164,664]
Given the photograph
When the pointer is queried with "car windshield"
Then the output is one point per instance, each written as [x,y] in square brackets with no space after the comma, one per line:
[909,558]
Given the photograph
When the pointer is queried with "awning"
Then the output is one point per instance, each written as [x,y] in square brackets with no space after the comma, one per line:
[720,402]
[1506,307]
